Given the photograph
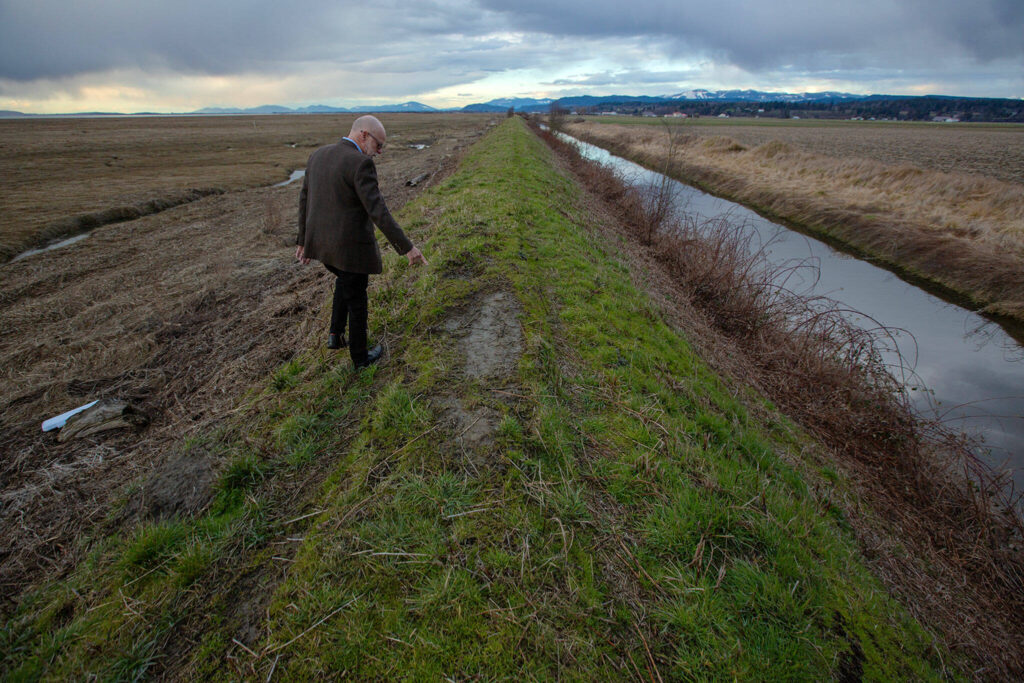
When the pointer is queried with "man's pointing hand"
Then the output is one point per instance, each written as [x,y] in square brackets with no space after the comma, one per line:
[415,256]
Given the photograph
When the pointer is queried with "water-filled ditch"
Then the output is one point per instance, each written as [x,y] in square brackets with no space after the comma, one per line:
[50,247]
[295,175]
[956,365]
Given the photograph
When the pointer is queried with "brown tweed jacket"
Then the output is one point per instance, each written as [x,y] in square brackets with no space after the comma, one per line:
[339,204]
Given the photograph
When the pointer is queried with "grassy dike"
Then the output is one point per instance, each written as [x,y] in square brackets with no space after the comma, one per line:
[619,513]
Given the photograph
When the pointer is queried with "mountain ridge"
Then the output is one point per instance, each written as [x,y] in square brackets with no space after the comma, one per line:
[529,104]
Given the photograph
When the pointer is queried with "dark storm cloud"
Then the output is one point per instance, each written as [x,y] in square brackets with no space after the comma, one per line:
[59,38]
[758,34]
[53,38]
[409,47]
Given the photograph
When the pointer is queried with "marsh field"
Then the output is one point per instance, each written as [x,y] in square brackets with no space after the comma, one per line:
[63,175]
[943,203]
[988,149]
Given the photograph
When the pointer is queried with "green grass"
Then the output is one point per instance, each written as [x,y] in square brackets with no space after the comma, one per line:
[627,513]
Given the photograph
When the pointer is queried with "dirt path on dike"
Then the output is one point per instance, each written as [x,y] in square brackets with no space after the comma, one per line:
[179,313]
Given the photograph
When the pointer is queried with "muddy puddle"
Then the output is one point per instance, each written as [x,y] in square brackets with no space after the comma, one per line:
[956,365]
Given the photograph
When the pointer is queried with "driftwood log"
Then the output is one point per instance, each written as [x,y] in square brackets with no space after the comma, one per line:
[107,414]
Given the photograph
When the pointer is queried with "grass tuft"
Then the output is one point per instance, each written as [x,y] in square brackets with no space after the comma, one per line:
[242,474]
[153,544]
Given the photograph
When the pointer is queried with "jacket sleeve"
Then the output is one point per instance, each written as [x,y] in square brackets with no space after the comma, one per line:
[369,194]
[303,195]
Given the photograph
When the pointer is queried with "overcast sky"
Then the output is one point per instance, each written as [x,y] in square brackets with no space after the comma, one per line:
[181,55]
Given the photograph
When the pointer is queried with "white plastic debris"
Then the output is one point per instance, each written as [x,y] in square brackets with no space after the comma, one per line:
[58,421]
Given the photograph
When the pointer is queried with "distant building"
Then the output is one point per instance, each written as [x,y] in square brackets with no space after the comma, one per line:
[678,115]
[723,115]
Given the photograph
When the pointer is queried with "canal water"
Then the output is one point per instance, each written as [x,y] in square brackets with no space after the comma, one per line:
[956,365]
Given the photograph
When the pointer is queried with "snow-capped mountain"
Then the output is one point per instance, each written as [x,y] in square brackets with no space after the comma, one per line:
[758,96]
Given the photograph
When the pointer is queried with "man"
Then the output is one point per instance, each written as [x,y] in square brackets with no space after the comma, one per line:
[339,204]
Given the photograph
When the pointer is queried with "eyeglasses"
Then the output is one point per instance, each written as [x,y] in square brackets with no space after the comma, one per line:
[380,145]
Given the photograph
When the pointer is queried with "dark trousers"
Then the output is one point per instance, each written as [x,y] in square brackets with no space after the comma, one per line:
[350,306]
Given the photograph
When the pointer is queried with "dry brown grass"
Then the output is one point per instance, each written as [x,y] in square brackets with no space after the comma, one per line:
[946,547]
[993,150]
[964,232]
[66,175]
[180,313]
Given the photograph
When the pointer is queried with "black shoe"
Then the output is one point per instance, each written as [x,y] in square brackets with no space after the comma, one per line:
[335,341]
[372,356]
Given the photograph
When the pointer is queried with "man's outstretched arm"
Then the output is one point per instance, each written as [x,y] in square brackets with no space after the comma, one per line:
[366,187]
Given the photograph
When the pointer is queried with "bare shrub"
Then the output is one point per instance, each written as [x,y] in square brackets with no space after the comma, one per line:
[556,117]
[271,220]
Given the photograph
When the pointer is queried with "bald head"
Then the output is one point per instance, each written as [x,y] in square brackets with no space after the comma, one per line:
[369,134]
[369,124]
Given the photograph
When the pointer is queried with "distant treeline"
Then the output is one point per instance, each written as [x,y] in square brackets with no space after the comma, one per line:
[901,109]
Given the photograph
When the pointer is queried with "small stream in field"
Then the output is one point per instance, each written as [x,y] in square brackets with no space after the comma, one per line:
[957,365]
[295,175]
[51,246]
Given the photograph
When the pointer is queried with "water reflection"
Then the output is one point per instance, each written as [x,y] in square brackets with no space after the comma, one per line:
[957,365]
